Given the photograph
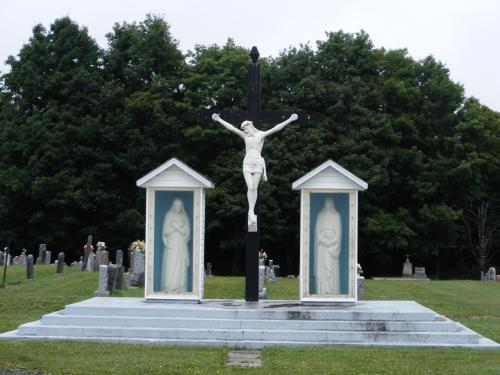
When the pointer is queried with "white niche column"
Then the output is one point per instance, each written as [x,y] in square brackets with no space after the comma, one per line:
[175,231]
[329,234]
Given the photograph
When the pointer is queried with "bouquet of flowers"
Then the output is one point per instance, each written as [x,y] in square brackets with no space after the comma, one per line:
[262,255]
[138,244]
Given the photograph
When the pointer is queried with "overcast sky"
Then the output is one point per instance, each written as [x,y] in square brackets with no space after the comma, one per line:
[464,35]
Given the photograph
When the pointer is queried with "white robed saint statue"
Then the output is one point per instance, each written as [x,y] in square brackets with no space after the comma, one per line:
[254,165]
[327,245]
[176,235]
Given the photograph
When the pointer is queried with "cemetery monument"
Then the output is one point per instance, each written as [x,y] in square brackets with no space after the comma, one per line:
[174,272]
[175,227]
[329,233]
[254,165]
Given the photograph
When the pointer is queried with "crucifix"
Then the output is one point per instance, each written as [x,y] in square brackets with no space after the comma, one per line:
[253,165]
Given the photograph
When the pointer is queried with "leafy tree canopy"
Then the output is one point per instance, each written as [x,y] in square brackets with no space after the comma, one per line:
[80,124]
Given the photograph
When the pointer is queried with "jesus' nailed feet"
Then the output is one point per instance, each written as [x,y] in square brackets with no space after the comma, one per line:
[252,223]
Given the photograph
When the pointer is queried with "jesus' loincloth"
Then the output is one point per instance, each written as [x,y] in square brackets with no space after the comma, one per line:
[255,164]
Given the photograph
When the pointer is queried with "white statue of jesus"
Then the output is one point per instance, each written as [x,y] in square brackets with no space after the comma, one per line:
[254,165]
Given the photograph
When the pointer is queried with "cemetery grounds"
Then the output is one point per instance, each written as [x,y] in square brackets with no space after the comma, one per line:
[473,303]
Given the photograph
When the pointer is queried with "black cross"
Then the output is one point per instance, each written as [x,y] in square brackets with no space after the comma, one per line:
[253,113]
[258,117]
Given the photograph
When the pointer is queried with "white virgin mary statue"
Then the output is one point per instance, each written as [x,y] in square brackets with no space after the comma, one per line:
[176,235]
[327,242]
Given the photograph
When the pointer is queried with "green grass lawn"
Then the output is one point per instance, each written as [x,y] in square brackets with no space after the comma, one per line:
[476,304]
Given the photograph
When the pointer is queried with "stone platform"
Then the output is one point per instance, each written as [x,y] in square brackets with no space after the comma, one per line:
[238,324]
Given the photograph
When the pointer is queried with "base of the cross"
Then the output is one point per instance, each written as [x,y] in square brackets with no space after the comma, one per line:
[252,267]
[252,224]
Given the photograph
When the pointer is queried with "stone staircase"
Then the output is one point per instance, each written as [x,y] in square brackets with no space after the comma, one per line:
[238,324]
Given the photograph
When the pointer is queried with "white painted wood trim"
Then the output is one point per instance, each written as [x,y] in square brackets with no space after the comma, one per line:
[305,249]
[204,182]
[303,281]
[198,255]
[353,256]
[298,184]
[201,280]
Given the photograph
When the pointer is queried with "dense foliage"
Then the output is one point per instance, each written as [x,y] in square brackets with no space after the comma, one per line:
[80,124]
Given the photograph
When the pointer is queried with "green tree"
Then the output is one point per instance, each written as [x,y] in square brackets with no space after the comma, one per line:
[477,161]
[82,126]
[79,125]
[141,123]
[49,136]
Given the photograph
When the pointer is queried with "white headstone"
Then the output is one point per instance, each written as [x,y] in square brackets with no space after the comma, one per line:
[48,255]
[23,257]
[102,290]
[407,268]
[262,277]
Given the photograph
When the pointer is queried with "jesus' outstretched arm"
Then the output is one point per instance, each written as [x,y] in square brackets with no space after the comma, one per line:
[278,127]
[227,125]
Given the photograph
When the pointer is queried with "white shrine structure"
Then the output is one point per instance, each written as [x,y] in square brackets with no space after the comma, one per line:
[174,267]
[329,233]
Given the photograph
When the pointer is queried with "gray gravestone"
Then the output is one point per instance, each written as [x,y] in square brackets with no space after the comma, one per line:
[407,268]
[2,258]
[271,277]
[29,267]
[420,273]
[48,256]
[119,278]
[138,261]
[112,273]
[103,282]
[90,262]
[128,281]
[97,262]
[209,270]
[119,258]
[15,260]
[262,275]
[104,257]
[22,257]
[276,270]
[135,275]
[130,260]
[361,288]
[492,274]
[87,250]
[42,249]
[139,266]
[60,263]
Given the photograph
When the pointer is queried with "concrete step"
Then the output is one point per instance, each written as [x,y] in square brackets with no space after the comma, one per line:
[238,324]
[39,329]
[249,344]
[279,310]
[439,325]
